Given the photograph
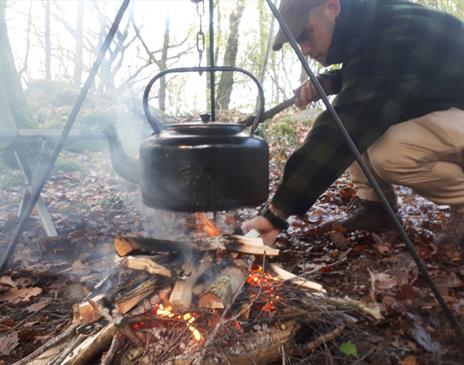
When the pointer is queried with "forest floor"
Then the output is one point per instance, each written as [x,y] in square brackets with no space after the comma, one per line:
[90,205]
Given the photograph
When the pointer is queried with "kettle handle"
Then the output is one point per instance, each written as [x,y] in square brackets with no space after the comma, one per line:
[156,125]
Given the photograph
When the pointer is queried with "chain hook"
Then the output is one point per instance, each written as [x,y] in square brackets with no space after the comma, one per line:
[200,4]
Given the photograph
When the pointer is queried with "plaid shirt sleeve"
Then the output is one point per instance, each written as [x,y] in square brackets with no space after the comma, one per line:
[368,105]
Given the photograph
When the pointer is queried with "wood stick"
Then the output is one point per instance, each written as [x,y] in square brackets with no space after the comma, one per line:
[48,345]
[67,350]
[92,346]
[311,346]
[286,275]
[146,263]
[107,358]
[129,300]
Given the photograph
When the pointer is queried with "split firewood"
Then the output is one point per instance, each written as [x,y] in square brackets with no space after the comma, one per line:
[221,292]
[181,295]
[92,346]
[252,249]
[145,263]
[126,245]
[86,313]
[286,275]
[125,303]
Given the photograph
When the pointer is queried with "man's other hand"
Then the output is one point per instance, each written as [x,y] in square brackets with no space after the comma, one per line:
[307,93]
[267,231]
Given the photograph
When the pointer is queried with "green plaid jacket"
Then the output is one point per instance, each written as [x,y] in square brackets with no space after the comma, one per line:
[400,61]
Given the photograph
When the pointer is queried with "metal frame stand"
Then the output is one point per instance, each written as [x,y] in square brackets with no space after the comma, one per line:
[42,178]
[40,206]
[420,264]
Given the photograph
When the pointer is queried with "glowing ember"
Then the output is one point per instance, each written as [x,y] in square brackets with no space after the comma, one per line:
[167,311]
[268,284]
[206,225]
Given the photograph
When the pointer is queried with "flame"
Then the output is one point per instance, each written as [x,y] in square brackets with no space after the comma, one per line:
[206,225]
[167,311]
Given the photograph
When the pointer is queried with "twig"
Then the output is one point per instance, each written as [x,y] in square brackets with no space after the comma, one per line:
[121,324]
[70,347]
[68,332]
[324,338]
[107,358]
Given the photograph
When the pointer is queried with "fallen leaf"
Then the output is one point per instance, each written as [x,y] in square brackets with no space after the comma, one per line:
[16,296]
[24,282]
[384,281]
[8,343]
[383,248]
[7,281]
[410,360]
[36,307]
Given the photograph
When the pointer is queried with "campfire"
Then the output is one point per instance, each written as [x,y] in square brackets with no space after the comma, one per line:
[216,299]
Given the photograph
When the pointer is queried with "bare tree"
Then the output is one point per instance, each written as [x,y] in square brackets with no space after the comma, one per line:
[48,43]
[226,81]
[13,105]
[79,45]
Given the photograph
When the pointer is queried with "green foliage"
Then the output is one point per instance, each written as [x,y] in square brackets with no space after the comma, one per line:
[285,127]
[69,166]
[349,349]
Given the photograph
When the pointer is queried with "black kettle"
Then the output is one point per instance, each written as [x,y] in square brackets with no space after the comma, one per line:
[201,166]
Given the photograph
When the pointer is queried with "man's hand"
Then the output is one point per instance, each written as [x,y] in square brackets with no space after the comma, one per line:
[267,231]
[307,92]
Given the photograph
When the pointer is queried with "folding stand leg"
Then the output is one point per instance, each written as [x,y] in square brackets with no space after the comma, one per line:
[44,215]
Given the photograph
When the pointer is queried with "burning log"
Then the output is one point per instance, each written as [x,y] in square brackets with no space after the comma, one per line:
[221,292]
[145,263]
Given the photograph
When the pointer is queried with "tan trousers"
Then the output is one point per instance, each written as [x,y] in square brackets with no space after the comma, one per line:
[425,154]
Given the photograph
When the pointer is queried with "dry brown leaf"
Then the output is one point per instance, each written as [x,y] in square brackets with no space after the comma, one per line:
[7,281]
[16,296]
[410,360]
[384,281]
[8,343]
[36,307]
[24,282]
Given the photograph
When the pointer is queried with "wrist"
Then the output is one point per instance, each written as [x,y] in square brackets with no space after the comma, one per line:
[275,216]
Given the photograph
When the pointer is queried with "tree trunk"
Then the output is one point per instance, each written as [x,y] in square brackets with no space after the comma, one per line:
[162,66]
[230,56]
[13,100]
[265,45]
[48,47]
[78,59]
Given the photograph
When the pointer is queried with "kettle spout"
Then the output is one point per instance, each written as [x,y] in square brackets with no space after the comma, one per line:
[124,165]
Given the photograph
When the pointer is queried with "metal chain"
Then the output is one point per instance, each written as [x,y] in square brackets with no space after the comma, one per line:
[200,35]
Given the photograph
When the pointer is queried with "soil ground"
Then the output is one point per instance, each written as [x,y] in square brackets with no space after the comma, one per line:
[90,205]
